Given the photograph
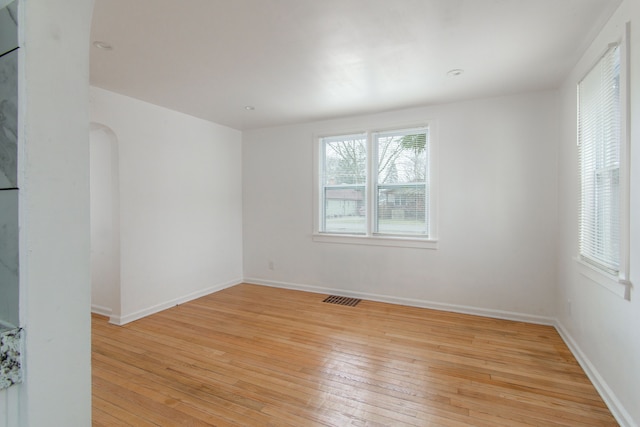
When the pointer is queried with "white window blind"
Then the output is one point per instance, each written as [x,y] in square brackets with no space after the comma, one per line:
[599,139]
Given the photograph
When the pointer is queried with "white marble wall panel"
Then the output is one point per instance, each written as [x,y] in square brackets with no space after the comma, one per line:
[11,357]
[8,28]
[9,291]
[8,120]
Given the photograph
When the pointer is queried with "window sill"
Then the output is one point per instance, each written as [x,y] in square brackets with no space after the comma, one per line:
[607,281]
[390,241]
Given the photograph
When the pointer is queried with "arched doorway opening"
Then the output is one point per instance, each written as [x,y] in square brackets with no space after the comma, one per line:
[105,221]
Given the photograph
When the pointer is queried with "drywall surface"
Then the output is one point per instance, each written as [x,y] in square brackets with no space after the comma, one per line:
[602,326]
[105,221]
[53,175]
[497,211]
[180,203]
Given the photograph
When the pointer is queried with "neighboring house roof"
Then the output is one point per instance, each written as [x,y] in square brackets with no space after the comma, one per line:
[344,194]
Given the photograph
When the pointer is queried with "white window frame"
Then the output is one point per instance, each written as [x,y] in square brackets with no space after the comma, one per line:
[618,283]
[370,237]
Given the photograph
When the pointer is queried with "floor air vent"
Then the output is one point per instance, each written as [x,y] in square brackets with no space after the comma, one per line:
[335,299]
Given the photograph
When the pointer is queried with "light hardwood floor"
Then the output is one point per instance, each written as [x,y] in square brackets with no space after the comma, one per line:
[259,356]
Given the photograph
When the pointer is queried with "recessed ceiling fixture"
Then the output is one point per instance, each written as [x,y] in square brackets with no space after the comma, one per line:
[102,45]
[455,72]
[249,107]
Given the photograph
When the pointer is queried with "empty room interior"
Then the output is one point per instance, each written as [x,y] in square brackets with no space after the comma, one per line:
[460,175]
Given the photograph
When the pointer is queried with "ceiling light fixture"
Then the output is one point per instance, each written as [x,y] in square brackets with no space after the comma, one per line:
[249,107]
[455,72]
[102,45]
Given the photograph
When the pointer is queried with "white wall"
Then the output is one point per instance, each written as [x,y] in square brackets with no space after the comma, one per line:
[180,203]
[105,221]
[497,210]
[53,175]
[602,327]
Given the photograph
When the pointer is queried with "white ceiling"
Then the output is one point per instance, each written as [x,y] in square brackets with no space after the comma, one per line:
[304,60]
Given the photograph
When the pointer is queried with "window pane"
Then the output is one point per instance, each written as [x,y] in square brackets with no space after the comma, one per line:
[401,209]
[345,160]
[401,188]
[345,209]
[343,184]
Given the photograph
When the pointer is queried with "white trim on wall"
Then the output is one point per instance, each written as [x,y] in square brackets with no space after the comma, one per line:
[127,318]
[412,302]
[613,403]
[102,311]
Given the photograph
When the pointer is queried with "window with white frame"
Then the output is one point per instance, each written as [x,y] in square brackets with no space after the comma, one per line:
[343,189]
[376,185]
[603,172]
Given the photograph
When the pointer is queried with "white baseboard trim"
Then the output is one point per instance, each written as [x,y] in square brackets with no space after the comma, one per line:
[102,311]
[497,314]
[127,318]
[617,409]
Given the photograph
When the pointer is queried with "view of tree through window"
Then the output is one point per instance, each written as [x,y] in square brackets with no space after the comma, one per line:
[346,160]
[399,161]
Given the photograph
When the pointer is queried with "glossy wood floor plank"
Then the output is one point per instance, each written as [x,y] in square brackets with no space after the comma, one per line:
[259,356]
